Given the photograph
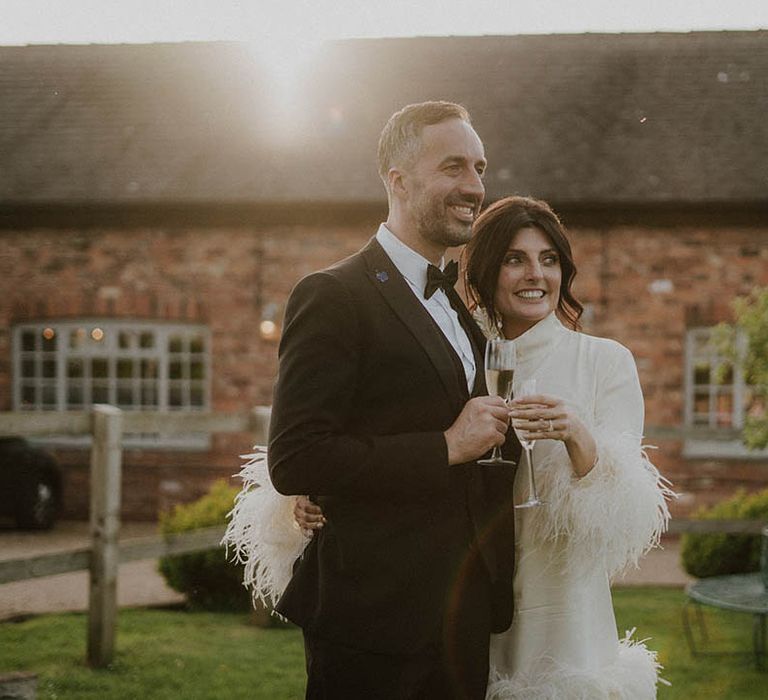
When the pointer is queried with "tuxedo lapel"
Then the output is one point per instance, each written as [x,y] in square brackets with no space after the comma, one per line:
[477,340]
[387,279]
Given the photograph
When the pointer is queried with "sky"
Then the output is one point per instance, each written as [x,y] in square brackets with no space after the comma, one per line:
[289,22]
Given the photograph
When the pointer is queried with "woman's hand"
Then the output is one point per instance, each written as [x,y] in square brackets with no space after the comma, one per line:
[545,417]
[307,516]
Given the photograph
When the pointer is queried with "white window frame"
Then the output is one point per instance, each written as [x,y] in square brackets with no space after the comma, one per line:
[109,349]
[714,449]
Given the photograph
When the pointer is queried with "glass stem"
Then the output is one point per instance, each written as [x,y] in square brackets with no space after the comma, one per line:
[534,494]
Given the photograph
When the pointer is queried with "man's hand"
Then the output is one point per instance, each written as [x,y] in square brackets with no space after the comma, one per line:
[481,425]
[307,516]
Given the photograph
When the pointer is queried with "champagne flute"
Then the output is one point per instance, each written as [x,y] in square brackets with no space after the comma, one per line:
[527,388]
[500,361]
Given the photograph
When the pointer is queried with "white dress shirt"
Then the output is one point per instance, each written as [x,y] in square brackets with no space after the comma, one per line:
[413,267]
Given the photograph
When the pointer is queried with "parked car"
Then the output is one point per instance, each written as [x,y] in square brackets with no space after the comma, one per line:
[30,484]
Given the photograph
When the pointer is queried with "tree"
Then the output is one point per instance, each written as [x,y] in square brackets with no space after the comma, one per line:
[746,343]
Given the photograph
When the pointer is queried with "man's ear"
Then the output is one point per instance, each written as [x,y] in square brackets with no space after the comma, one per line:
[395,178]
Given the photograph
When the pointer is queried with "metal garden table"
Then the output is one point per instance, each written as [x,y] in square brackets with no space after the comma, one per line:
[739,592]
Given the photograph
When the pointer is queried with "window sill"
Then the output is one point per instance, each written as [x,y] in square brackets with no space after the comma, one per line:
[722,449]
[197,442]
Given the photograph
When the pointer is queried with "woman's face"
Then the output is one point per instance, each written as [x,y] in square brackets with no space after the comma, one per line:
[528,287]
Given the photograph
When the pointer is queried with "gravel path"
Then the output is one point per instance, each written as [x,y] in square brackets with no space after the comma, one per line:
[140,585]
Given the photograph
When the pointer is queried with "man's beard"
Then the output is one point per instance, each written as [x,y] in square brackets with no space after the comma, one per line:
[435,225]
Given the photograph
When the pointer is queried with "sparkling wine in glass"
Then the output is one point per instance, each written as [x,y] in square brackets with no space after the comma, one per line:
[500,361]
[527,388]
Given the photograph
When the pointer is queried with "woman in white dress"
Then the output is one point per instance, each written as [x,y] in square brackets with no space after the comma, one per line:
[604,502]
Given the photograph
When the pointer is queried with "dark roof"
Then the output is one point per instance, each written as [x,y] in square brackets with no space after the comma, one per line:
[590,118]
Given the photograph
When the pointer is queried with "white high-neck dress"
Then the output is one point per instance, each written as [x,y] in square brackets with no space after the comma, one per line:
[563,643]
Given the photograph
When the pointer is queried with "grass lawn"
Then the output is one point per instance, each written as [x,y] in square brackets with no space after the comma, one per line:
[175,655]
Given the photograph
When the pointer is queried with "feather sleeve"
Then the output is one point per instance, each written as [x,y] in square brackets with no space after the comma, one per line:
[261,531]
[618,511]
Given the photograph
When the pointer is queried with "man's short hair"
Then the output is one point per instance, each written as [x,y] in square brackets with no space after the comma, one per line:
[400,140]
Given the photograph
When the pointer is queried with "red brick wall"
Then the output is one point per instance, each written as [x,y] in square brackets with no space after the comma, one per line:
[219,277]
[647,287]
[224,276]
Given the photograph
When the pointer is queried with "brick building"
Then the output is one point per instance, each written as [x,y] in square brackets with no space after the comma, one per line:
[158,202]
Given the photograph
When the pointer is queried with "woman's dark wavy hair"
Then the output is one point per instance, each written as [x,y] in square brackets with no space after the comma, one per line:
[493,232]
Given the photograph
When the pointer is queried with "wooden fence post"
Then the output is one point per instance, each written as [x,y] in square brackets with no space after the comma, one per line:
[106,469]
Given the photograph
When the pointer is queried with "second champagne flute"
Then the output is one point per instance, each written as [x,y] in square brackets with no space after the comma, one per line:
[527,388]
[500,362]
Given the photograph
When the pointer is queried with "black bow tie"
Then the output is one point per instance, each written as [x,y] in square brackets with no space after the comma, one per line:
[444,279]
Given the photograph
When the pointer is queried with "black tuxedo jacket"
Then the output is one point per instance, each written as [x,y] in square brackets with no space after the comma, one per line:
[367,384]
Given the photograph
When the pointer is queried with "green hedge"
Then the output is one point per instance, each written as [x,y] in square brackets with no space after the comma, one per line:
[720,554]
[207,579]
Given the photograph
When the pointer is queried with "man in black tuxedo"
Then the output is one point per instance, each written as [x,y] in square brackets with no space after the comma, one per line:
[380,411]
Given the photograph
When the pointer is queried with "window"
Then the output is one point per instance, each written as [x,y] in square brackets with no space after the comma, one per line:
[717,397]
[71,365]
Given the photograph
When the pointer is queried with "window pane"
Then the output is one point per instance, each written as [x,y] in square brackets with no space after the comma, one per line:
[28,395]
[724,373]
[197,370]
[125,369]
[197,343]
[176,370]
[28,368]
[99,393]
[99,368]
[75,368]
[701,373]
[701,402]
[196,395]
[149,369]
[125,395]
[126,340]
[724,420]
[149,394]
[175,343]
[28,340]
[74,395]
[147,340]
[724,407]
[49,369]
[175,396]
[49,396]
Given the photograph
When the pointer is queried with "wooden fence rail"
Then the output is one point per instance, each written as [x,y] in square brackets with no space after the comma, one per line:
[135,549]
[156,546]
[107,425]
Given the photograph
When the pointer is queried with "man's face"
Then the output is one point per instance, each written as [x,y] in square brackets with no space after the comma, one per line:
[445,183]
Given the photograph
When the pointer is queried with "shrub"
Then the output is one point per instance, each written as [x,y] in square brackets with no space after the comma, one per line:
[207,579]
[719,554]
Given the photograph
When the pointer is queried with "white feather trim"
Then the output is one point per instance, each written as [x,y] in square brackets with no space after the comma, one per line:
[261,531]
[633,676]
[614,514]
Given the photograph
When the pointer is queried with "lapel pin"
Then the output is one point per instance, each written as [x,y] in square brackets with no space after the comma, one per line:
[382,275]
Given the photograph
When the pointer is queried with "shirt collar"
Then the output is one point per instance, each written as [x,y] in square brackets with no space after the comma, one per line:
[410,264]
